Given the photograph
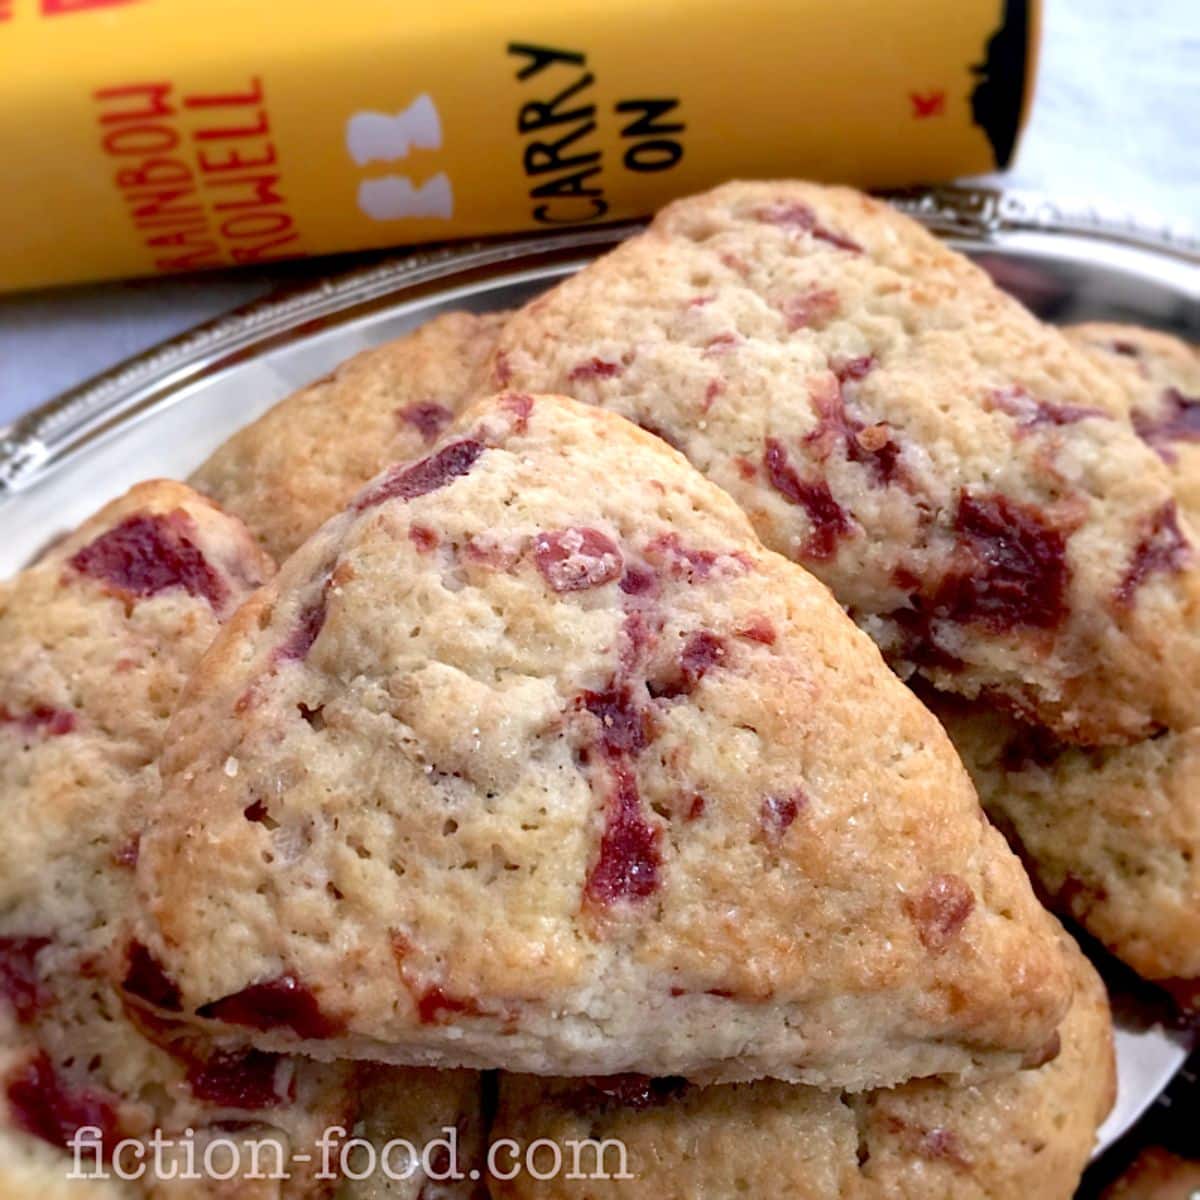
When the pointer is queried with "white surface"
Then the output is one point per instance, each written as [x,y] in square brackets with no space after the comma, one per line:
[1116,118]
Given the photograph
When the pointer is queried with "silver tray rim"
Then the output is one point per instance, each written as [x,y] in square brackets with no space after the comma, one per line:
[44,440]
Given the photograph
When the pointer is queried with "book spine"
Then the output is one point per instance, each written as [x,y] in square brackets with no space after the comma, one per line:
[156,136]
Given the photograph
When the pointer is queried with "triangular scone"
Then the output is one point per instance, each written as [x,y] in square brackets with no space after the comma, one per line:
[534,757]
[300,462]
[957,472]
[1025,1137]
[96,641]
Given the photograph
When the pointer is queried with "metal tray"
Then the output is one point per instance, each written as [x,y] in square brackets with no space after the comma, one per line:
[163,412]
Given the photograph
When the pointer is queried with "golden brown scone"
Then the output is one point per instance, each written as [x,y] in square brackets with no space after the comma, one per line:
[1025,1137]
[1111,835]
[302,460]
[1157,1174]
[534,757]
[959,474]
[96,641]
[1160,377]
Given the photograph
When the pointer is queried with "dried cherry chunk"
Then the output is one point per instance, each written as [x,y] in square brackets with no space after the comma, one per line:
[42,1104]
[282,1002]
[629,859]
[408,481]
[256,811]
[246,1079]
[126,855]
[694,565]
[830,522]
[814,307]
[577,558]
[146,979]
[638,635]
[701,652]
[722,343]
[1031,413]
[425,539]
[1177,421]
[53,722]
[625,725]
[594,368]
[777,813]
[305,632]
[435,1002]
[149,553]
[428,419]
[518,405]
[1013,572]
[759,629]
[637,1092]
[802,217]
[871,446]
[940,911]
[1162,549]
[638,581]
[851,370]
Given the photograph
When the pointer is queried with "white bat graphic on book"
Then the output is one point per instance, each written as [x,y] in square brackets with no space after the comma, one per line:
[393,197]
[377,137]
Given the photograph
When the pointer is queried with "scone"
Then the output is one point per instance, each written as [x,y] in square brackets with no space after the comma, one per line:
[958,473]
[1160,376]
[1024,1137]
[1113,835]
[535,758]
[96,641]
[301,462]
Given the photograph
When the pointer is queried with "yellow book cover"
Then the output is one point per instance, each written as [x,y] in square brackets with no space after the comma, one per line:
[147,136]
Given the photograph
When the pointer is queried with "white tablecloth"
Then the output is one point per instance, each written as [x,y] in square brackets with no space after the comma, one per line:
[1117,117]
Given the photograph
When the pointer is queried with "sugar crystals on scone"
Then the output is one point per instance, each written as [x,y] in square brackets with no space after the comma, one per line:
[958,473]
[535,758]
